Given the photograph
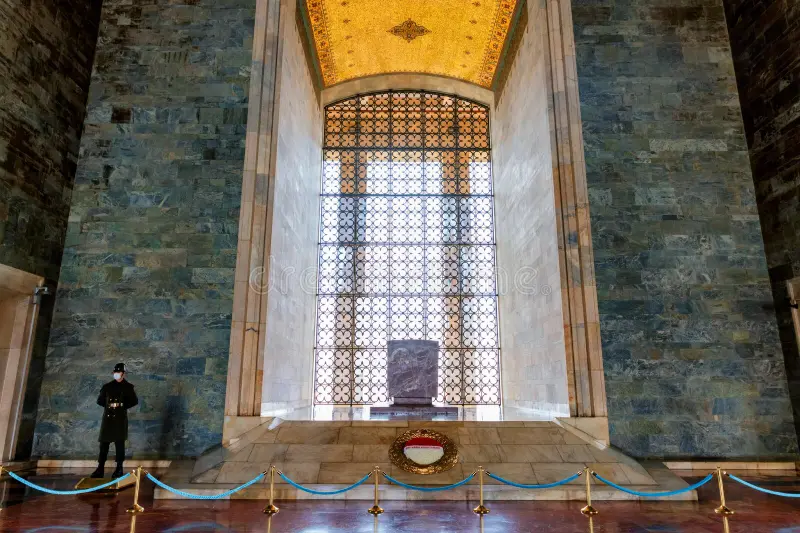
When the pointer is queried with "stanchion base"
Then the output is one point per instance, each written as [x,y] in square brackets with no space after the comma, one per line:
[723,510]
[375,510]
[481,510]
[90,483]
[270,510]
[589,511]
[136,509]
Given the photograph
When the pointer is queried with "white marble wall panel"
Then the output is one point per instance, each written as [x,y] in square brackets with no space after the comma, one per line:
[533,355]
[289,343]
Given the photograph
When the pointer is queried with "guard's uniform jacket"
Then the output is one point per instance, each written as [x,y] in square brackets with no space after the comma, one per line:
[116,397]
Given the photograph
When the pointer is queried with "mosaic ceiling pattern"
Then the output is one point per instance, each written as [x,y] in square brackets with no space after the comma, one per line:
[457,38]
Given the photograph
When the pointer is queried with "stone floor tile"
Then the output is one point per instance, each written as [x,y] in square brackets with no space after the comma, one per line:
[454,475]
[308,434]
[552,472]
[240,456]
[611,471]
[478,435]
[239,472]
[449,432]
[368,435]
[538,453]
[319,453]
[370,453]
[637,474]
[303,473]
[346,473]
[267,454]
[516,472]
[525,435]
[574,453]
[479,453]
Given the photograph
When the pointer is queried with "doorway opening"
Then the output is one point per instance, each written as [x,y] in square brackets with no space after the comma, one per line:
[20,293]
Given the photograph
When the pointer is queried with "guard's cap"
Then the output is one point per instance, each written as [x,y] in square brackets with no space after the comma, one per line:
[119,367]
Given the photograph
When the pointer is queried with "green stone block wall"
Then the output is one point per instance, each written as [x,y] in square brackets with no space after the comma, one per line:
[692,355]
[46,51]
[148,266]
[764,39]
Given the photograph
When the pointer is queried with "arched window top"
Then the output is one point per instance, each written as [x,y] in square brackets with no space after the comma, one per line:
[407,120]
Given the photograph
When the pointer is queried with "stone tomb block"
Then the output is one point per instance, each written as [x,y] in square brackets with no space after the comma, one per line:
[412,370]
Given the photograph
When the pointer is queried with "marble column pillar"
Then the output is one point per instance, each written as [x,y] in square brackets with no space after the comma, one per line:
[245,365]
[579,293]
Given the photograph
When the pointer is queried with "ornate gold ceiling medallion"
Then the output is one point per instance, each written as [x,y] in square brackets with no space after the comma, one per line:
[423,451]
[409,30]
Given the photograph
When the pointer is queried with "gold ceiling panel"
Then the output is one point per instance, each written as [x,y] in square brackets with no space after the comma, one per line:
[458,38]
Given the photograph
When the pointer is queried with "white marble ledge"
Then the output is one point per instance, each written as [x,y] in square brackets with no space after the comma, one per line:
[780,468]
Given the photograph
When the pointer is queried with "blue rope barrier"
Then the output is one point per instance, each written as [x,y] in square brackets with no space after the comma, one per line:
[655,494]
[203,496]
[323,492]
[766,491]
[65,492]
[544,486]
[428,489]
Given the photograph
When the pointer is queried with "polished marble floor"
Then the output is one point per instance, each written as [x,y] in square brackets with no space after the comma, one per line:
[28,512]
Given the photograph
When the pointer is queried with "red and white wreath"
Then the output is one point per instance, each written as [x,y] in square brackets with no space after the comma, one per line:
[423,450]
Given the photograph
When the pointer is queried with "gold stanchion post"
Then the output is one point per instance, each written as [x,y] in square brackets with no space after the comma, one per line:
[588,510]
[136,508]
[376,509]
[722,509]
[481,509]
[1,475]
[270,509]
[133,523]
[726,528]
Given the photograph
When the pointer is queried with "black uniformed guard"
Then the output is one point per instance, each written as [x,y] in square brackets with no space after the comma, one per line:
[116,397]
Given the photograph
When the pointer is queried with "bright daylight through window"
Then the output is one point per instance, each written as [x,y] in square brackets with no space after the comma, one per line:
[407,246]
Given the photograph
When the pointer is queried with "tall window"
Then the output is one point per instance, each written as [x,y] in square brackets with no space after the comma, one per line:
[406,245]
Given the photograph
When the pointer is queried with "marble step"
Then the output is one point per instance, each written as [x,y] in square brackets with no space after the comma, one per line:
[335,454]
[327,452]
[665,480]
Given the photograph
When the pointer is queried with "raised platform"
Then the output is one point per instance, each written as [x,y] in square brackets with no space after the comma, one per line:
[330,455]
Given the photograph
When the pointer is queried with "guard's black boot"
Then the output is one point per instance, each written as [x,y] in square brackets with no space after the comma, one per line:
[99,472]
[117,472]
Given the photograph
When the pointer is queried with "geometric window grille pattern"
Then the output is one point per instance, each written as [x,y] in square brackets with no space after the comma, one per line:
[407,246]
